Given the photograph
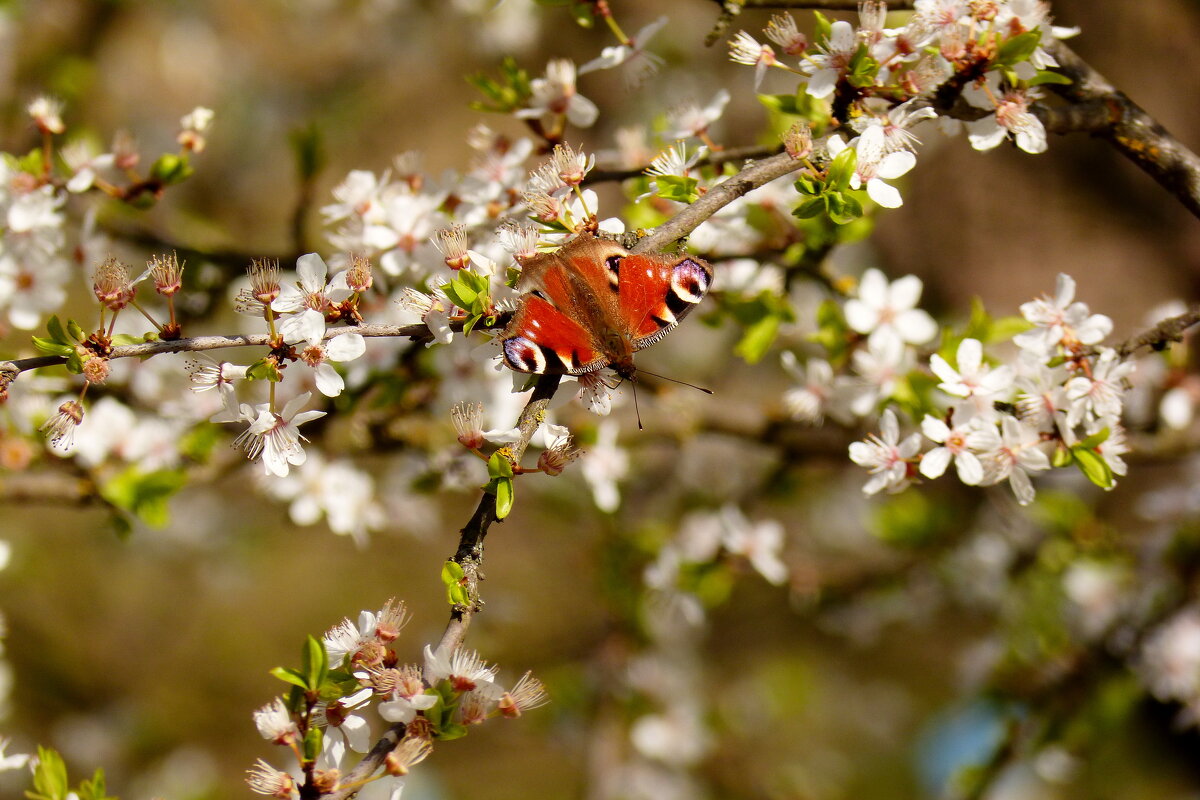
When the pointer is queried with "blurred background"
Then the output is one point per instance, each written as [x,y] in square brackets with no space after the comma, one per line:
[916,637]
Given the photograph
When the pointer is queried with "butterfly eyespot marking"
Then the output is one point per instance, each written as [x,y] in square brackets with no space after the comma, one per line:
[524,355]
[689,281]
[614,271]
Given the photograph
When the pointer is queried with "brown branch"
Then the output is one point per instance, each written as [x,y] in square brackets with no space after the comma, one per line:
[1133,132]
[1165,332]
[469,556]
[818,5]
[417,333]
[712,159]
[753,176]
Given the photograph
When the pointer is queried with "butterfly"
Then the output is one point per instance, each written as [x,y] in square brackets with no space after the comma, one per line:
[592,304]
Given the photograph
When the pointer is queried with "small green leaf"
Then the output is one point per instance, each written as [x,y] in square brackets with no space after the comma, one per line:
[51,347]
[125,338]
[264,370]
[504,497]
[171,168]
[807,184]
[499,466]
[95,788]
[842,169]
[1094,467]
[1045,76]
[75,330]
[145,494]
[1095,440]
[780,103]
[453,730]
[1018,48]
[677,188]
[55,328]
[314,663]
[812,207]
[49,776]
[289,675]
[822,27]
[312,743]
[757,339]
[843,207]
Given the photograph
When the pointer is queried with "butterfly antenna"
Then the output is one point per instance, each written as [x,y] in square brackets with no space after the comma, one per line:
[674,380]
[636,410]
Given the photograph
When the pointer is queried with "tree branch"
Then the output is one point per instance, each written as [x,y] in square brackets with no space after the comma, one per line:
[750,178]
[1134,133]
[469,556]
[1158,337]
[419,332]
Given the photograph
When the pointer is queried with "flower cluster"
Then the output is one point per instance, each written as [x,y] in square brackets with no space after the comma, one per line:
[883,81]
[327,723]
[1058,403]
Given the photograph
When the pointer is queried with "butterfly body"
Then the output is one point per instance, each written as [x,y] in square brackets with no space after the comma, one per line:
[592,304]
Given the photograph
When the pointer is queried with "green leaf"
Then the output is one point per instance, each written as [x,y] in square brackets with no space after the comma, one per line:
[145,494]
[821,28]
[171,168]
[1095,440]
[812,207]
[453,730]
[314,663]
[51,347]
[504,497]
[507,93]
[1045,76]
[125,338]
[49,776]
[264,370]
[780,103]
[95,788]
[312,743]
[308,150]
[863,68]
[1062,458]
[454,580]
[843,207]
[679,188]
[842,169]
[1094,467]
[289,675]
[1018,48]
[807,184]
[75,330]
[757,339]
[583,14]
[198,443]
[499,466]
[55,328]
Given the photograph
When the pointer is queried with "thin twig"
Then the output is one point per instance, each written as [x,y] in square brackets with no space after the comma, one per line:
[418,333]
[1165,332]
[469,556]
[753,176]
[713,159]
[1134,133]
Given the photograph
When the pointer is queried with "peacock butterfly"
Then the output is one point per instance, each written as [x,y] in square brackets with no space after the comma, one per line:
[592,304]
